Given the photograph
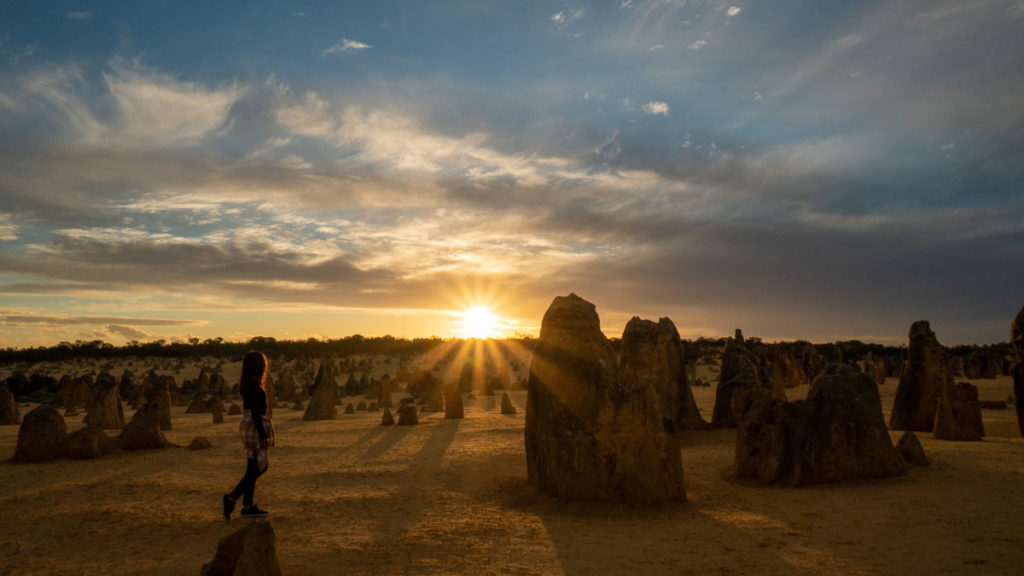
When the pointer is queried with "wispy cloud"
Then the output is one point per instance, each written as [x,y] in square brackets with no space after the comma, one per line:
[733,11]
[697,45]
[655,108]
[78,15]
[346,45]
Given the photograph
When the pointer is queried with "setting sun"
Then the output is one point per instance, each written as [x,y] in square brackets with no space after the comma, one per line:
[479,322]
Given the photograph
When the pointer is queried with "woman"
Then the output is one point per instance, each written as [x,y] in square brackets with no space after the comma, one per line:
[257,435]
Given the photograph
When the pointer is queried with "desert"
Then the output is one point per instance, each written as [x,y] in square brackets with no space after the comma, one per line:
[451,496]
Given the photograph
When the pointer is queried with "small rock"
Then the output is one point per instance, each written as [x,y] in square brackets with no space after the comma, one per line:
[200,443]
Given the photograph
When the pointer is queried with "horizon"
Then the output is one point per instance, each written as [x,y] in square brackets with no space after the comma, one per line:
[801,171]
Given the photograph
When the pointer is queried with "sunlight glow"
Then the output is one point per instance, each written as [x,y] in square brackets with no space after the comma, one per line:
[479,322]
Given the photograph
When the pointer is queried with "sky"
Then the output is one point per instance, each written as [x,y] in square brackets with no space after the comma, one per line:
[817,170]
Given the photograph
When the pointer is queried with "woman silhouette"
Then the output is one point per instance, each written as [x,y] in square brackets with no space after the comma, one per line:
[257,435]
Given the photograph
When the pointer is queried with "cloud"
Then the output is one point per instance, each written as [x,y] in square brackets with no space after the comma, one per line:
[655,108]
[558,17]
[8,230]
[733,11]
[697,45]
[127,332]
[78,15]
[11,318]
[138,107]
[346,45]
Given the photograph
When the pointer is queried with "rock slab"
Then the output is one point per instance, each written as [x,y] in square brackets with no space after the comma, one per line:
[251,551]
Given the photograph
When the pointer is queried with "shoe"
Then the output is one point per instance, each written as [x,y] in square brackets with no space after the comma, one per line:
[253,512]
[227,506]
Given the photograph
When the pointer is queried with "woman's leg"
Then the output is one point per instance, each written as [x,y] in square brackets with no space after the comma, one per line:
[247,485]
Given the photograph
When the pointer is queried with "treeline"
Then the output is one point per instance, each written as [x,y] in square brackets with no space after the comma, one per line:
[359,344]
[219,348]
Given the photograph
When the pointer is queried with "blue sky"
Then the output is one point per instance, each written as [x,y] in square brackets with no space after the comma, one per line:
[818,170]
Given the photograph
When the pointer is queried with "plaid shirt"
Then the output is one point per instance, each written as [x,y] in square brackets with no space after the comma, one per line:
[251,439]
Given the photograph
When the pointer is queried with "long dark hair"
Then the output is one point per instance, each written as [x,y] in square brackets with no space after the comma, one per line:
[254,372]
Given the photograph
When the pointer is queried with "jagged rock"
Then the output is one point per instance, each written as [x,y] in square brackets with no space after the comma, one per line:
[198,405]
[386,419]
[250,551]
[507,407]
[234,410]
[408,415]
[127,388]
[286,388]
[42,436]
[737,377]
[373,407]
[917,396]
[453,406]
[590,435]
[385,399]
[652,356]
[89,442]
[9,415]
[838,433]
[911,449]
[323,396]
[216,406]
[361,407]
[73,392]
[350,409]
[200,443]
[105,409]
[959,414]
[876,370]
[158,393]
[144,430]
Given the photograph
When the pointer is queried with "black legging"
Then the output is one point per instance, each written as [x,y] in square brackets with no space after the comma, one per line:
[247,485]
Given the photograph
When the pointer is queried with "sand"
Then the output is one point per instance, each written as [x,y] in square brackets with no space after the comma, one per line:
[450,497]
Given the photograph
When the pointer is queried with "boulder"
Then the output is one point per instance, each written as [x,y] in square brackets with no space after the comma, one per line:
[925,374]
[959,413]
[200,443]
[361,407]
[89,442]
[105,409]
[838,433]
[652,356]
[910,448]
[250,551]
[9,415]
[42,435]
[350,409]
[590,433]
[453,406]
[386,419]
[507,407]
[408,415]
[323,396]
[144,430]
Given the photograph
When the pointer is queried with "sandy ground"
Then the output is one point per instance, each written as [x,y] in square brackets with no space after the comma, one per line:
[450,497]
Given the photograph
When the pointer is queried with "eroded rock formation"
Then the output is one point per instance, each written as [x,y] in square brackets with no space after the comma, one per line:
[958,416]
[838,433]
[590,434]
[926,372]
